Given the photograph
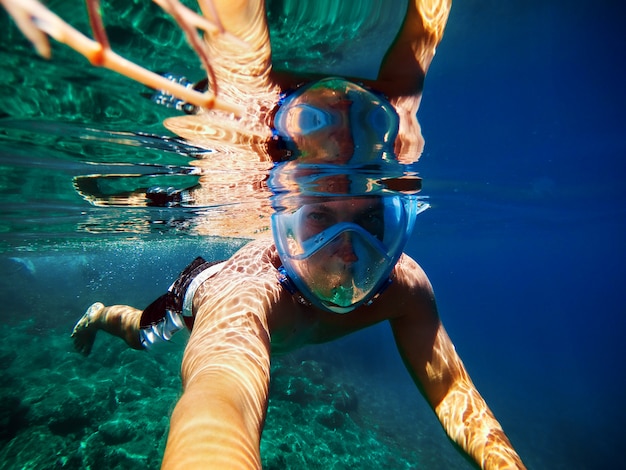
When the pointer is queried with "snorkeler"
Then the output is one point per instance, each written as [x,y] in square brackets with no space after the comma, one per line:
[335,261]
[335,265]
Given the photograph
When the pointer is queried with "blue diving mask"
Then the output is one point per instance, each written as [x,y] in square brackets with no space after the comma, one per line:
[335,120]
[340,222]
[340,251]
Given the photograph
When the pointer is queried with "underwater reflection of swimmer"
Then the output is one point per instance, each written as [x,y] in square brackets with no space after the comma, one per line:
[334,263]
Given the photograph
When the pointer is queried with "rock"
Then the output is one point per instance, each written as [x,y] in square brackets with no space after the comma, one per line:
[295,389]
[71,409]
[117,431]
[7,358]
[345,399]
[62,425]
[97,455]
[330,417]
[12,417]
[127,395]
[313,371]
[36,448]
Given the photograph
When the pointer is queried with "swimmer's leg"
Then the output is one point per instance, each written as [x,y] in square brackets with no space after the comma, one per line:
[141,329]
[118,320]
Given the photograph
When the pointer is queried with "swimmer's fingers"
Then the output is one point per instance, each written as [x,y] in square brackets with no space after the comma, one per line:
[37,22]
[82,347]
[97,26]
[182,17]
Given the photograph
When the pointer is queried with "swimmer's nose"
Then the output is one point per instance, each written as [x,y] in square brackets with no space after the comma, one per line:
[345,251]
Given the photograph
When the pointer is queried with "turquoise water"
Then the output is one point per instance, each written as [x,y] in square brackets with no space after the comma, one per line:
[524,126]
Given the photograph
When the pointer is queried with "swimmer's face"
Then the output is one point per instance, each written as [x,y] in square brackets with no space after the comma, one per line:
[339,251]
[333,266]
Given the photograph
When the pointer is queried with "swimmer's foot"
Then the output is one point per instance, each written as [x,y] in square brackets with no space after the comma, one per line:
[84,333]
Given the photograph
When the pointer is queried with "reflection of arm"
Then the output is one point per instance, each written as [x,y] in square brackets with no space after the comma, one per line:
[438,371]
[218,420]
[401,75]
[407,60]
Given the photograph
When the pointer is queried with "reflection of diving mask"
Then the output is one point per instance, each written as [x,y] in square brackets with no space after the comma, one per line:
[339,252]
[335,110]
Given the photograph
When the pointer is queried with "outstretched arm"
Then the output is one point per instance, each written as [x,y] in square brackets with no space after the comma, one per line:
[438,371]
[218,420]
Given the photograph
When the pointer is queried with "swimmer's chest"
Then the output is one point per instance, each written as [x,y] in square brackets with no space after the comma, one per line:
[293,325]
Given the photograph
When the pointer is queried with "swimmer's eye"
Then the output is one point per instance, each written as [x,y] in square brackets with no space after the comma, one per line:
[319,220]
[373,222]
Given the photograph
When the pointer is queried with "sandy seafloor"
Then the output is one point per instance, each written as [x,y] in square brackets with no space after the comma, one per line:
[523,116]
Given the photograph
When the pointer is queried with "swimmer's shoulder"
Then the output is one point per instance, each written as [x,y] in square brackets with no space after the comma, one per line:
[249,273]
[410,299]
[409,279]
[255,258]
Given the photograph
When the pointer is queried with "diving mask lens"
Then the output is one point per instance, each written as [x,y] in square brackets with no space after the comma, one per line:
[343,264]
[306,118]
[337,109]
[340,252]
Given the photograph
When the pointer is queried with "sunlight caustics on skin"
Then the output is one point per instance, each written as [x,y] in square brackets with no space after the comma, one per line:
[226,364]
[468,420]
[243,71]
[118,320]
[228,360]
[462,411]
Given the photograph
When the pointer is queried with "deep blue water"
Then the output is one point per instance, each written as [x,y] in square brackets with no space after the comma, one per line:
[523,116]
